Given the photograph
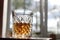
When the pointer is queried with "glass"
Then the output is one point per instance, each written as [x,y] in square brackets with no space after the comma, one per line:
[21,26]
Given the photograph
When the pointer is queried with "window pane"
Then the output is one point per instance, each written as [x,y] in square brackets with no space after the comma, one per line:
[53,16]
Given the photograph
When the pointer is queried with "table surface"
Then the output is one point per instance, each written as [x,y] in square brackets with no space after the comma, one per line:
[26,39]
[36,38]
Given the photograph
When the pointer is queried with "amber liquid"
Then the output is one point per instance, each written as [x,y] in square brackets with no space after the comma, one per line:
[21,30]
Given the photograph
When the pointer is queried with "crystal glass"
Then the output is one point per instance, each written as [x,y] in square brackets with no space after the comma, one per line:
[21,26]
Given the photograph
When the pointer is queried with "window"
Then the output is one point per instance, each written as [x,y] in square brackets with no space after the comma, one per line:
[53,25]
[43,23]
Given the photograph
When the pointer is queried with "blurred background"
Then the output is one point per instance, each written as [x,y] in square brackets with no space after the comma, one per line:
[28,6]
[46,16]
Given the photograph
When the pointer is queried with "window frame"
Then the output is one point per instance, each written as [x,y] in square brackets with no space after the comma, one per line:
[4,18]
